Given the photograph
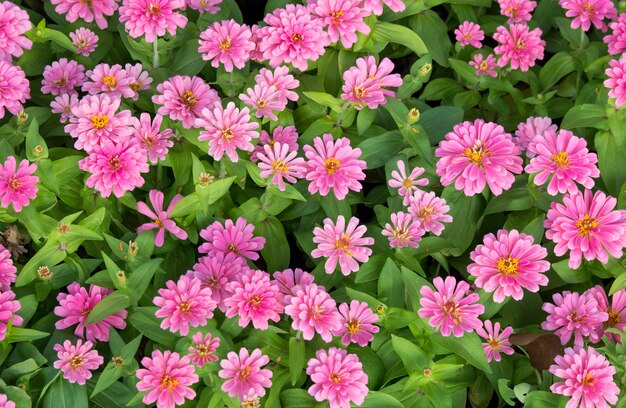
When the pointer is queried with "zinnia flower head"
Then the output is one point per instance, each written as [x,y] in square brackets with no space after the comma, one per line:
[93,10]
[588,12]
[290,280]
[616,309]
[519,45]
[8,308]
[152,18]
[215,272]
[337,377]
[140,80]
[203,349]
[518,11]
[237,238]
[469,33]
[7,269]
[245,374]
[357,323]
[77,361]
[497,341]
[617,39]
[281,81]
[112,80]
[451,307]
[17,183]
[14,22]
[616,84]
[85,41]
[203,6]
[14,88]
[403,231]
[183,98]
[342,19]
[286,135]
[363,83]
[484,66]
[62,76]
[148,134]
[407,184]
[278,163]
[264,100]
[429,211]
[63,105]
[227,43]
[313,310]
[5,402]
[476,154]
[376,6]
[160,218]
[533,127]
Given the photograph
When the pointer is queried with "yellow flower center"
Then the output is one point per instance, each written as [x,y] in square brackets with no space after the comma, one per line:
[613,320]
[586,225]
[520,44]
[476,154]
[184,308]
[255,301]
[425,213]
[136,86]
[335,16]
[343,243]
[168,382]
[561,159]
[315,311]
[109,80]
[228,134]
[149,141]
[225,44]
[232,247]
[14,183]
[202,350]
[512,11]
[493,343]
[588,8]
[588,380]
[331,165]
[189,99]
[335,378]
[401,234]
[99,122]
[76,362]
[280,166]
[359,92]
[245,372]
[154,9]
[483,66]
[508,266]
[450,310]
[353,326]
[115,163]
[407,183]
[296,37]
[158,223]
[262,103]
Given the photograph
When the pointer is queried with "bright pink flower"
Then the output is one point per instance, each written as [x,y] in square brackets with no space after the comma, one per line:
[278,162]
[160,218]
[14,22]
[245,374]
[357,323]
[7,269]
[469,33]
[203,349]
[363,83]
[17,183]
[588,379]
[334,165]
[152,18]
[93,10]
[616,84]
[237,238]
[5,402]
[8,307]
[527,131]
[476,154]
[285,135]
[215,272]
[573,314]
[85,40]
[62,76]
[75,306]
[616,309]
[183,98]
[150,137]
[63,105]
[587,12]
[452,307]
[313,310]
[508,264]
[497,341]
[337,377]
[139,79]
[518,11]
[77,361]
[115,167]
[281,81]
[168,378]
[112,80]
[403,231]
[227,43]
[519,45]
[342,19]
[484,66]
[617,39]
[264,100]
[376,6]
[342,244]
[293,36]
[587,225]
[407,184]
[202,6]
[14,88]
[227,130]
[429,211]
[254,298]
[289,281]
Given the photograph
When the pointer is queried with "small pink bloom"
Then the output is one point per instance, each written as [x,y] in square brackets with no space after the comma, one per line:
[215,272]
[484,66]
[357,323]
[376,6]
[497,341]
[17,183]
[148,134]
[112,80]
[203,349]
[245,374]
[77,361]
[14,22]
[62,76]
[588,12]
[168,378]
[285,135]
[203,6]
[152,18]
[452,307]
[139,79]
[527,131]
[289,281]
[85,41]
[8,308]
[342,19]
[363,83]
[616,309]
[469,33]
[616,84]
[227,43]
[7,270]
[518,11]
[429,211]
[264,100]
[183,98]
[403,231]
[617,39]
[63,105]
[519,45]
[278,162]
[281,81]
[15,88]
[237,238]
[93,10]
[407,184]
[313,310]
[160,218]
[5,402]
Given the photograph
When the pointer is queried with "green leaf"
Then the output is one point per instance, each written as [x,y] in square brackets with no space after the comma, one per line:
[364,119]
[398,34]
[297,358]
[570,275]
[515,199]
[144,320]
[542,399]
[109,375]
[469,347]
[413,357]
[63,394]
[140,278]
[561,64]
[585,115]
[376,399]
[464,70]
[296,398]
[214,191]
[325,100]
[609,153]
[390,285]
[378,150]
[439,121]
[505,391]
[34,139]
[188,205]
[106,307]
[187,60]
[428,24]
[276,250]
[50,255]
[59,39]
[18,396]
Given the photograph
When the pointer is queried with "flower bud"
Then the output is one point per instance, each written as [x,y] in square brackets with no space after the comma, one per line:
[121,278]
[205,179]
[413,116]
[425,69]
[44,273]
[22,117]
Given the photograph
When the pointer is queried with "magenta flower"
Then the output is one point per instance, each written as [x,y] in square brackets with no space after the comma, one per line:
[202,6]
[363,83]
[357,323]
[278,162]
[477,154]
[264,100]
[452,307]
[616,309]
[75,306]
[527,131]
[285,135]
[616,84]
[183,98]
[168,378]
[5,402]
[215,272]
[403,231]
[14,88]
[63,105]
[160,218]
[519,45]
[281,81]
[227,43]
[588,378]
[313,310]
[407,184]
[338,378]
[85,40]
[8,308]
[376,6]
[14,22]
[203,349]
[77,361]
[184,303]
[140,80]
[111,80]
[17,183]
[148,134]
[587,225]
[244,373]
[62,76]
[484,66]
[588,12]
[469,33]
[518,11]
[429,211]
[7,270]
[237,238]
[617,39]
[152,18]
[93,10]
[290,280]
[342,19]
[497,341]
[227,130]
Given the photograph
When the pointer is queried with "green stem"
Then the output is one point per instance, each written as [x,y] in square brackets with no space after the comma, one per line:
[582,40]
[155,54]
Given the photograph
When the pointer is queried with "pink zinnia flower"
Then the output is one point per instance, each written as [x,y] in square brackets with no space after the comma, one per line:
[264,100]
[342,19]
[357,323]
[527,131]
[140,80]
[363,83]
[293,36]
[338,378]
[573,314]
[519,45]
[7,269]
[508,264]
[469,33]
[429,211]
[203,349]
[407,184]
[93,10]
[115,167]
[245,374]
[484,66]
[17,183]
[588,379]
[5,402]
[313,310]
[77,361]
[168,378]
[616,309]
[281,81]
[376,6]
[476,154]
[452,307]
[497,341]
[8,307]
[617,39]
[334,165]
[152,18]
[75,306]
[237,238]
[278,162]
[616,84]
[183,98]
[202,6]
[215,272]
[14,88]
[62,76]
[518,11]
[284,135]
[63,105]
[14,22]
[290,280]
[227,43]
[342,244]
[403,231]
[148,134]
[112,80]
[85,40]
[184,303]
[587,12]
[587,225]
[160,218]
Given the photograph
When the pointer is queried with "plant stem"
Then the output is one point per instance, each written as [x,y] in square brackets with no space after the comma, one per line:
[155,54]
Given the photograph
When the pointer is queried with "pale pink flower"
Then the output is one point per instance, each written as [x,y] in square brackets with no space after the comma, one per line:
[14,88]
[227,43]
[140,80]
[586,225]
[93,10]
[183,98]
[284,135]
[227,130]
[588,379]
[14,22]
[616,309]
[244,373]
[281,81]
[497,341]
[313,310]
[476,154]
[203,349]
[363,83]
[406,185]
[160,218]
[77,361]
[342,19]
[519,45]
[8,308]
[5,402]
[237,238]
[588,12]
[484,66]
[203,6]
[62,76]
[63,105]
[376,6]
[616,84]
[617,39]
[7,270]
[290,280]
[452,307]
[112,80]
[338,378]
[152,18]
[469,33]
[17,183]
[429,211]
[518,11]
[148,134]
[334,165]
[75,306]
[168,378]
[357,322]
[508,263]
[403,231]
[264,100]
[527,131]
[215,272]
[278,162]
[85,40]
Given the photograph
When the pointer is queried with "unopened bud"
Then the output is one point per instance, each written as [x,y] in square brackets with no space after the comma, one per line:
[205,179]
[44,273]
[251,402]
[121,278]
[413,116]
[132,249]
[38,150]
[381,310]
[118,361]
[64,228]
[425,69]
[22,117]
